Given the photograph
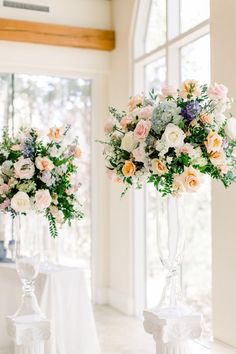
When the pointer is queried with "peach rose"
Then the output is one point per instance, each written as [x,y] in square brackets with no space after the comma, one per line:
[125,121]
[77,152]
[55,134]
[191,179]
[42,199]
[108,127]
[44,163]
[214,142]
[190,87]
[135,101]
[217,157]
[146,112]
[129,169]
[159,167]
[16,147]
[217,92]
[142,129]
[206,119]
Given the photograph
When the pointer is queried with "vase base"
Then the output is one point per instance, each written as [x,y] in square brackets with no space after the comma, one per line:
[184,347]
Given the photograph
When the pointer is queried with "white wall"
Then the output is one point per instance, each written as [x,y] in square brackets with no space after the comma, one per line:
[223,34]
[120,290]
[84,13]
[71,62]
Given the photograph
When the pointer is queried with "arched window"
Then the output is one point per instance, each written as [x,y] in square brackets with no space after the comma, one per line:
[171,44]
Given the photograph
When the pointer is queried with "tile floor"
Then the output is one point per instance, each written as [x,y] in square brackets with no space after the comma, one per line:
[120,334]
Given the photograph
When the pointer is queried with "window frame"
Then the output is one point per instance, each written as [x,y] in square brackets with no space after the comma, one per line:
[175,40]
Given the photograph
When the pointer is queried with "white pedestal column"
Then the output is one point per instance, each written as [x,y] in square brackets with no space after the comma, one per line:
[29,334]
[173,331]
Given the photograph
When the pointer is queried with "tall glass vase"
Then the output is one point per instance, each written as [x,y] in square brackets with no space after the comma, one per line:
[28,253]
[171,241]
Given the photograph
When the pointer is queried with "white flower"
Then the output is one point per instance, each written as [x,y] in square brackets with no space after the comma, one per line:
[201,161]
[24,168]
[54,151]
[47,178]
[220,118]
[169,159]
[20,202]
[173,136]
[139,153]
[230,128]
[42,199]
[6,168]
[128,142]
[234,152]
[61,170]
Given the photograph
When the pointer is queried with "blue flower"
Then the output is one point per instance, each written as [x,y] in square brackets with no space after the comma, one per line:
[191,111]
[29,149]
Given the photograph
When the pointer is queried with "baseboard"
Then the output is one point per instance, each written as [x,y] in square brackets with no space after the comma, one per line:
[121,302]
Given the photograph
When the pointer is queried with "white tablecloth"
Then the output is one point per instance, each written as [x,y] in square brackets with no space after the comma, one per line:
[63,297]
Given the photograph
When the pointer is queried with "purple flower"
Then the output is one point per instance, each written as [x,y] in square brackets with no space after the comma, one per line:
[191,111]
[28,148]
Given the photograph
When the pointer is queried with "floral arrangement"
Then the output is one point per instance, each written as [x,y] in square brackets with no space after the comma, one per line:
[172,138]
[40,175]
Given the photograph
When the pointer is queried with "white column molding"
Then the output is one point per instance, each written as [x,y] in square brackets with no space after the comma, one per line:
[28,333]
[173,332]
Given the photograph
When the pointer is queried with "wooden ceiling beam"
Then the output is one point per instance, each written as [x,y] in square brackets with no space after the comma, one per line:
[57,35]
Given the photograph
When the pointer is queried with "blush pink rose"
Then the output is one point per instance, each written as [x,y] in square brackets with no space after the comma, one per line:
[5,204]
[139,154]
[218,92]
[42,199]
[125,121]
[108,126]
[168,91]
[142,129]
[146,112]
[4,188]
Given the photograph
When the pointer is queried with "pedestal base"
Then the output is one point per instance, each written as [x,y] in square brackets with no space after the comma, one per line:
[173,330]
[183,347]
[29,333]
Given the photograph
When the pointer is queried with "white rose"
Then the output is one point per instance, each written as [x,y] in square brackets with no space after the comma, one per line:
[234,153]
[220,118]
[20,202]
[174,136]
[24,168]
[6,168]
[230,128]
[42,199]
[128,142]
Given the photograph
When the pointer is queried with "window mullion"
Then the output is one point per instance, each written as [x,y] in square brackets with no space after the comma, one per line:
[173,29]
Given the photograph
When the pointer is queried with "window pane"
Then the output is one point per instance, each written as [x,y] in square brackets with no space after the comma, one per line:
[155,74]
[43,101]
[156,27]
[155,77]
[193,12]
[195,60]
